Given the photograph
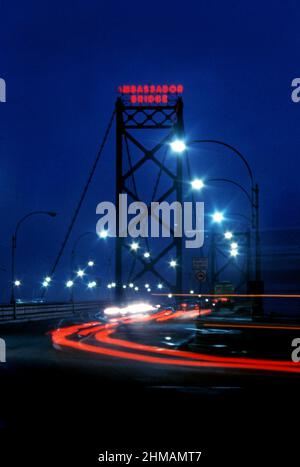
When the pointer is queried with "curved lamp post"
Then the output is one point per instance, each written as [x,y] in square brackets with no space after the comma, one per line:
[14,248]
[254,198]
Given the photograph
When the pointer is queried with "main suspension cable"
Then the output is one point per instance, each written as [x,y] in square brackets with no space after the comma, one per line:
[82,197]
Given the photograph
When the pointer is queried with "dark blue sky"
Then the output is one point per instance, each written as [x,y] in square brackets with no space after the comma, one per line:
[62,62]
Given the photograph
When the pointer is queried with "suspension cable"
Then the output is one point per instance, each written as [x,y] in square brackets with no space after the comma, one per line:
[82,197]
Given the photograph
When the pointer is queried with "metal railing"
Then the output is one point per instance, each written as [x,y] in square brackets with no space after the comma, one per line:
[37,311]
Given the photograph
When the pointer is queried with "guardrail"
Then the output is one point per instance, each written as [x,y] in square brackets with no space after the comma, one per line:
[37,311]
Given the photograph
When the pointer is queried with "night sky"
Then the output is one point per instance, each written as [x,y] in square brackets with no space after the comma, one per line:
[62,63]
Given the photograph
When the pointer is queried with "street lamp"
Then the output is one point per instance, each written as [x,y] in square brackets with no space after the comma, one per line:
[197,184]
[103,234]
[178,146]
[254,200]
[228,235]
[134,246]
[218,217]
[234,252]
[14,248]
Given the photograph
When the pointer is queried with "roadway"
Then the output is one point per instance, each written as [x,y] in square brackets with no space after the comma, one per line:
[122,385]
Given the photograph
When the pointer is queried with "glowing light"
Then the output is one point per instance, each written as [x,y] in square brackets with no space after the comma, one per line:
[92,284]
[159,286]
[113,284]
[109,286]
[218,217]
[134,246]
[173,263]
[136,288]
[80,273]
[17,283]
[103,234]
[149,94]
[228,235]
[234,253]
[147,254]
[191,291]
[91,263]
[178,146]
[48,279]
[234,246]
[69,283]
[170,295]
[124,286]
[45,283]
[131,285]
[132,308]
[197,184]
[149,290]
[147,286]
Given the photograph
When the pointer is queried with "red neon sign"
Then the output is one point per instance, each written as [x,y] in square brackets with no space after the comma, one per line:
[149,94]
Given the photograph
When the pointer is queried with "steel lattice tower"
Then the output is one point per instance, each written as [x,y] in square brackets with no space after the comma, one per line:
[165,121]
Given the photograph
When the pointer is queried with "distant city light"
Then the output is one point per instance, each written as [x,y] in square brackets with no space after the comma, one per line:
[228,235]
[69,283]
[197,184]
[136,288]
[124,286]
[91,263]
[134,246]
[92,284]
[80,273]
[218,217]
[234,246]
[113,284]
[173,263]
[109,286]
[17,283]
[45,283]
[159,286]
[147,286]
[131,285]
[191,291]
[147,254]
[48,279]
[149,290]
[170,295]
[178,146]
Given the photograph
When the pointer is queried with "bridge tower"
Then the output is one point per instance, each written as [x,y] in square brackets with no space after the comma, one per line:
[146,122]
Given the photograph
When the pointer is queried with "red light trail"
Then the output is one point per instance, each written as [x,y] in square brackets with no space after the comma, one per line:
[101,342]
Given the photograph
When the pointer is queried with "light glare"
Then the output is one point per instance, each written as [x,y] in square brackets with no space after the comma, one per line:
[178,146]
[218,217]
[197,184]
[228,235]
